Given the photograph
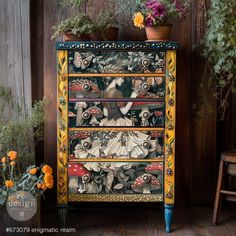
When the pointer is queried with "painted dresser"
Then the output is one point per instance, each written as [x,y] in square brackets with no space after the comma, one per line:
[116,123]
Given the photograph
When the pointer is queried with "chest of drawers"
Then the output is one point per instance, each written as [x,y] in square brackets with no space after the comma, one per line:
[116,123]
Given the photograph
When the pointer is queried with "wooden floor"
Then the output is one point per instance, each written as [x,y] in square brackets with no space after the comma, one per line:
[146,220]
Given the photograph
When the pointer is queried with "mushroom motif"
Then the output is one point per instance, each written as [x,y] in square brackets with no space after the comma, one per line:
[79,135]
[155,168]
[86,88]
[145,113]
[146,183]
[79,106]
[93,112]
[76,171]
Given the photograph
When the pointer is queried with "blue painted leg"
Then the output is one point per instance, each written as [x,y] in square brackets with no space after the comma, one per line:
[168,217]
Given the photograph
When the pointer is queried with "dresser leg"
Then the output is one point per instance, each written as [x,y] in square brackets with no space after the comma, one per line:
[62,212]
[168,217]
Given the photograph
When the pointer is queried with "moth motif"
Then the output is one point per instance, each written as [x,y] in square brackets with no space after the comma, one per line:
[79,62]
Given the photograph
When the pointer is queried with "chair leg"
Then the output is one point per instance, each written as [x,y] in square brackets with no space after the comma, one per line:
[218,198]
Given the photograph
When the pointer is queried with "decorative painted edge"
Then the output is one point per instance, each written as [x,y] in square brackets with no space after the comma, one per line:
[119,45]
[62,126]
[115,197]
[92,129]
[169,175]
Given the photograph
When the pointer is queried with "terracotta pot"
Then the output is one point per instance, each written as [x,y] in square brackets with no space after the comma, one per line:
[69,36]
[112,34]
[159,33]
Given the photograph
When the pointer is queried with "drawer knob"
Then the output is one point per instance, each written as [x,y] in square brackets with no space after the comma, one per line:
[145,87]
[86,87]
[146,178]
[145,62]
[85,115]
[146,115]
[146,144]
[85,178]
[87,145]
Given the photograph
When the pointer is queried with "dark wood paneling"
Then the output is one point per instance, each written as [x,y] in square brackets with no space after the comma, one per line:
[195,141]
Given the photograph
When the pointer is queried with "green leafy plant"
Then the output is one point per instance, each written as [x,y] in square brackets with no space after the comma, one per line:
[80,24]
[219,48]
[22,130]
[102,23]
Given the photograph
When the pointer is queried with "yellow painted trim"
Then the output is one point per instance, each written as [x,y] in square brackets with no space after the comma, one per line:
[169,175]
[118,75]
[62,126]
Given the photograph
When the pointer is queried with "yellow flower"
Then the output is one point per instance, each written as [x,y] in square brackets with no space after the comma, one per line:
[33,171]
[12,155]
[12,163]
[48,179]
[9,183]
[138,20]
[4,159]
[47,169]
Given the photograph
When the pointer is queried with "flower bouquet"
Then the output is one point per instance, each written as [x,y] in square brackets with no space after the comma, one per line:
[34,180]
[155,16]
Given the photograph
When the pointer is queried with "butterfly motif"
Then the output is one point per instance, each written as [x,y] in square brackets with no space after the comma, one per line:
[82,63]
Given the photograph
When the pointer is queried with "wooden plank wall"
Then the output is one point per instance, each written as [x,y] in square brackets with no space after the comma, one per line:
[195,140]
[15,69]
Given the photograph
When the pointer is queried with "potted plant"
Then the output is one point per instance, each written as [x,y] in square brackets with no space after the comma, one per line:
[155,16]
[33,181]
[77,28]
[219,49]
[103,28]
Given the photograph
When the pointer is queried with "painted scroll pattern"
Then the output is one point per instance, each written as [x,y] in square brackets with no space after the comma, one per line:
[170,127]
[62,129]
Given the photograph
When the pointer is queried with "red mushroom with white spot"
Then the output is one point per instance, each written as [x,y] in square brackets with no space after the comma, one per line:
[84,88]
[146,183]
[76,171]
[79,135]
[154,168]
[93,112]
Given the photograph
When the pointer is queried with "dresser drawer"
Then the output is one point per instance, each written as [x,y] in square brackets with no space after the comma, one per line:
[116,87]
[105,113]
[116,62]
[116,144]
[115,178]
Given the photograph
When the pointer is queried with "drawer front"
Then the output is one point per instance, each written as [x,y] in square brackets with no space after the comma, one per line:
[116,87]
[113,114]
[112,144]
[115,178]
[116,62]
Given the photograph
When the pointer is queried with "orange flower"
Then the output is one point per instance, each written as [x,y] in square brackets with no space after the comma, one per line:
[12,155]
[43,186]
[9,183]
[12,163]
[138,20]
[33,171]
[48,178]
[47,169]
[39,185]
[4,159]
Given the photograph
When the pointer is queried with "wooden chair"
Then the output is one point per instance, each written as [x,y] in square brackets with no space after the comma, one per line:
[227,166]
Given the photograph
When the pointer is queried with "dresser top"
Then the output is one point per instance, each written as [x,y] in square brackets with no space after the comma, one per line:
[117,45]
